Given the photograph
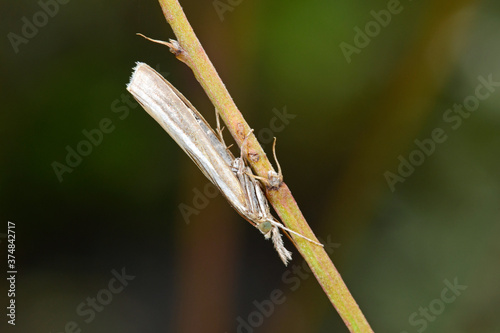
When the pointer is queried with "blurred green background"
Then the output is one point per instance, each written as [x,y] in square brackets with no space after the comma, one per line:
[361,81]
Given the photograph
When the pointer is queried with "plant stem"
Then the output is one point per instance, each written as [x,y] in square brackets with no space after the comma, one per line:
[193,54]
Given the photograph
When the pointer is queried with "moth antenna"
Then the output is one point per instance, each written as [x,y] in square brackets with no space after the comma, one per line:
[279,225]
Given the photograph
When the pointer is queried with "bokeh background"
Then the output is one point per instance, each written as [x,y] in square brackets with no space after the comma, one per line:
[355,117]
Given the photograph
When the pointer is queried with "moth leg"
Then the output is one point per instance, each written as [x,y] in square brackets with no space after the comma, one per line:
[250,174]
[275,179]
[219,129]
[244,143]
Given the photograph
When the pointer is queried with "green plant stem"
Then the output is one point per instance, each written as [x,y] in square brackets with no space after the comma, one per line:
[193,54]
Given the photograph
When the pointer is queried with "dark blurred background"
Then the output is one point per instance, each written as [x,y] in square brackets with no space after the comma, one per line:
[390,146]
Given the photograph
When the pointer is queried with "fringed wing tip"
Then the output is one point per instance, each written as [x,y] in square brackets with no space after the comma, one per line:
[138,64]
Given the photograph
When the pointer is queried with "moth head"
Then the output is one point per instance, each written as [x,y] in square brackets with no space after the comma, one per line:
[265,227]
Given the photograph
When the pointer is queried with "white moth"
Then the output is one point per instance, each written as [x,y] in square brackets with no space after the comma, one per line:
[195,136]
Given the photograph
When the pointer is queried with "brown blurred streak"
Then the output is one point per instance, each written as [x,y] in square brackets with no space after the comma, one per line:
[351,206]
[205,270]
[397,119]
[208,245]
